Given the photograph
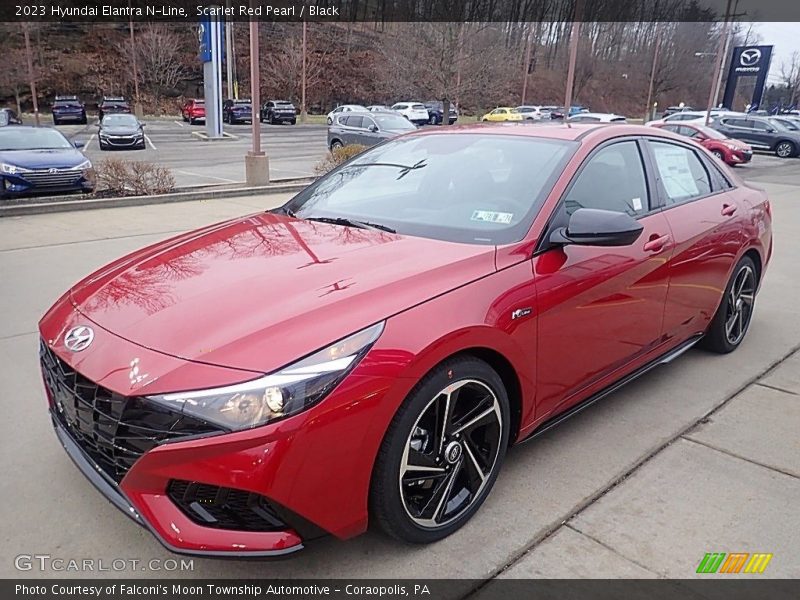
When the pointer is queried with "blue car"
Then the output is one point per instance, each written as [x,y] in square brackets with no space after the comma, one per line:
[68,108]
[41,160]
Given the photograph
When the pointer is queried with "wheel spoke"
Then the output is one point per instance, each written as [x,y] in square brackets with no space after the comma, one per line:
[445,420]
[474,461]
[475,421]
[448,490]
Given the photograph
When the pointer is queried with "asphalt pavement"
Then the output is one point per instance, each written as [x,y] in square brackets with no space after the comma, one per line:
[293,150]
[700,455]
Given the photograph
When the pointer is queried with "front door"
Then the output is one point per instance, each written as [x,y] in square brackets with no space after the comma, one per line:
[601,308]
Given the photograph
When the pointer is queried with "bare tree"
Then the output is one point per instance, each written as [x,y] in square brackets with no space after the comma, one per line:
[790,76]
[282,70]
[160,55]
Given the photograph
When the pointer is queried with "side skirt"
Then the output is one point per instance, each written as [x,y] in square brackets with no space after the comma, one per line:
[661,360]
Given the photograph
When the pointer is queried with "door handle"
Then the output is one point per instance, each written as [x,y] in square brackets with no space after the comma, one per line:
[656,243]
[728,210]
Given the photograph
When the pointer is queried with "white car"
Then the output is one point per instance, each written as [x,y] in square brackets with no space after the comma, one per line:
[413,111]
[695,117]
[589,117]
[533,113]
[342,109]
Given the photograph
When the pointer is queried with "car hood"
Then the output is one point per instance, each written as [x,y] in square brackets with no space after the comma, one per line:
[120,130]
[260,292]
[61,158]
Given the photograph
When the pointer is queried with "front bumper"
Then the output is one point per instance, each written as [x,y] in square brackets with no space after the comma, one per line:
[70,116]
[181,535]
[122,141]
[43,181]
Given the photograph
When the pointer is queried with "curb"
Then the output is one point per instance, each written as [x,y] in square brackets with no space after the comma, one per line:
[58,204]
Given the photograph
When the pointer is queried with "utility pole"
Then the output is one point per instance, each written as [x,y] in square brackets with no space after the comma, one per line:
[653,72]
[720,56]
[527,64]
[256,161]
[728,38]
[31,74]
[137,106]
[303,110]
[573,55]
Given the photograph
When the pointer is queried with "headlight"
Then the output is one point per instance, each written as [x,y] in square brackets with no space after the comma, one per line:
[281,394]
[87,164]
[11,169]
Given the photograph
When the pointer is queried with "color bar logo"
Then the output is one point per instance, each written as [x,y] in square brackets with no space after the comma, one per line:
[735,562]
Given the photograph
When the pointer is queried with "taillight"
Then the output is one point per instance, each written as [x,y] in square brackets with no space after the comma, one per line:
[768,208]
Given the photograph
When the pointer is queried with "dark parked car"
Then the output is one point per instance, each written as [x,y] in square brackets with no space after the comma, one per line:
[761,133]
[193,111]
[237,111]
[112,105]
[9,117]
[436,112]
[366,128]
[278,111]
[41,159]
[121,131]
[68,108]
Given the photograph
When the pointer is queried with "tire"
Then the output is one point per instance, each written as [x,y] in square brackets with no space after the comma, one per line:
[272,119]
[103,147]
[465,461]
[293,122]
[330,121]
[336,144]
[56,122]
[191,121]
[785,149]
[718,154]
[433,120]
[743,284]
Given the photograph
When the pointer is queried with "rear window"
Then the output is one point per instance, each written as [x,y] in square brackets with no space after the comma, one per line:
[417,107]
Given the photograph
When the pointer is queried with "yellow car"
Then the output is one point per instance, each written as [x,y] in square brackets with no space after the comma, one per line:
[502,113]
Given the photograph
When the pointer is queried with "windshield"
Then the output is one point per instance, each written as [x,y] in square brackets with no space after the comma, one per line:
[473,188]
[32,139]
[394,122]
[785,124]
[283,104]
[120,121]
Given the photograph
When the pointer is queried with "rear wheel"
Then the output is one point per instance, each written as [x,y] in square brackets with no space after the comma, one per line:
[732,320]
[785,149]
[442,452]
[335,144]
[433,120]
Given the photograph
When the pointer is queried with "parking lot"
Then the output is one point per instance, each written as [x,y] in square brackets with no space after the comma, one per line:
[293,150]
[699,455]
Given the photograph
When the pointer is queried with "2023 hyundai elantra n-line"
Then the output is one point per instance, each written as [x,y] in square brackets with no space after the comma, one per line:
[368,351]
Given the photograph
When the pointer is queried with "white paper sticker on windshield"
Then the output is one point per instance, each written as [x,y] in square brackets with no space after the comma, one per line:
[637,204]
[490,216]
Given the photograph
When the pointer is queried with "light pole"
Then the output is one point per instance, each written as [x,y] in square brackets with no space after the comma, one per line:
[720,56]
[256,162]
[653,72]
[527,64]
[573,54]
[303,110]
[137,106]
[31,75]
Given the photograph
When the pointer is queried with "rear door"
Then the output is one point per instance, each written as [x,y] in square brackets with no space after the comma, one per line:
[601,308]
[704,213]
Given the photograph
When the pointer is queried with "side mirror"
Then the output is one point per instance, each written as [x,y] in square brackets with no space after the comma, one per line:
[373,128]
[142,124]
[595,227]
[79,144]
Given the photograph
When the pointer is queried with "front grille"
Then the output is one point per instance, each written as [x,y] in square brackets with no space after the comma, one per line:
[224,508]
[53,178]
[113,430]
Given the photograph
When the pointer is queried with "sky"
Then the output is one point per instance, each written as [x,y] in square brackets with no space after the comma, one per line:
[785,37]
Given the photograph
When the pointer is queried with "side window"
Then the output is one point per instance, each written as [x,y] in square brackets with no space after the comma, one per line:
[761,126]
[354,121]
[367,123]
[687,131]
[613,179]
[682,173]
[672,128]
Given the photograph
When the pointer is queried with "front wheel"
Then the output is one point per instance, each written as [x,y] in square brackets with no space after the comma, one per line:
[336,144]
[785,150]
[732,320]
[718,154]
[442,452]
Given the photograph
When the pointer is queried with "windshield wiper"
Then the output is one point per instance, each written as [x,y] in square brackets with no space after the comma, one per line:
[347,222]
[404,169]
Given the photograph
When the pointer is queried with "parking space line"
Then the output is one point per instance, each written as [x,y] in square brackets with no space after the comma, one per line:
[206,176]
[149,141]
[89,143]
[178,123]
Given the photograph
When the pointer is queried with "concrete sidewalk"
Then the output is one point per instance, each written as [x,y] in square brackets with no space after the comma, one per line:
[729,484]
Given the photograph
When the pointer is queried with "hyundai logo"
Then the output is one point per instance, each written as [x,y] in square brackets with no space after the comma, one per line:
[79,338]
[750,57]
[52,170]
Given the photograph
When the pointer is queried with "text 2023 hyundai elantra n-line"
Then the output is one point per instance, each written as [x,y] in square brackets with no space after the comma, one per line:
[367,352]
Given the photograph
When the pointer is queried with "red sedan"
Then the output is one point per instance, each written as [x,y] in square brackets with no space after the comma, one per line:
[193,111]
[370,350]
[728,150]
